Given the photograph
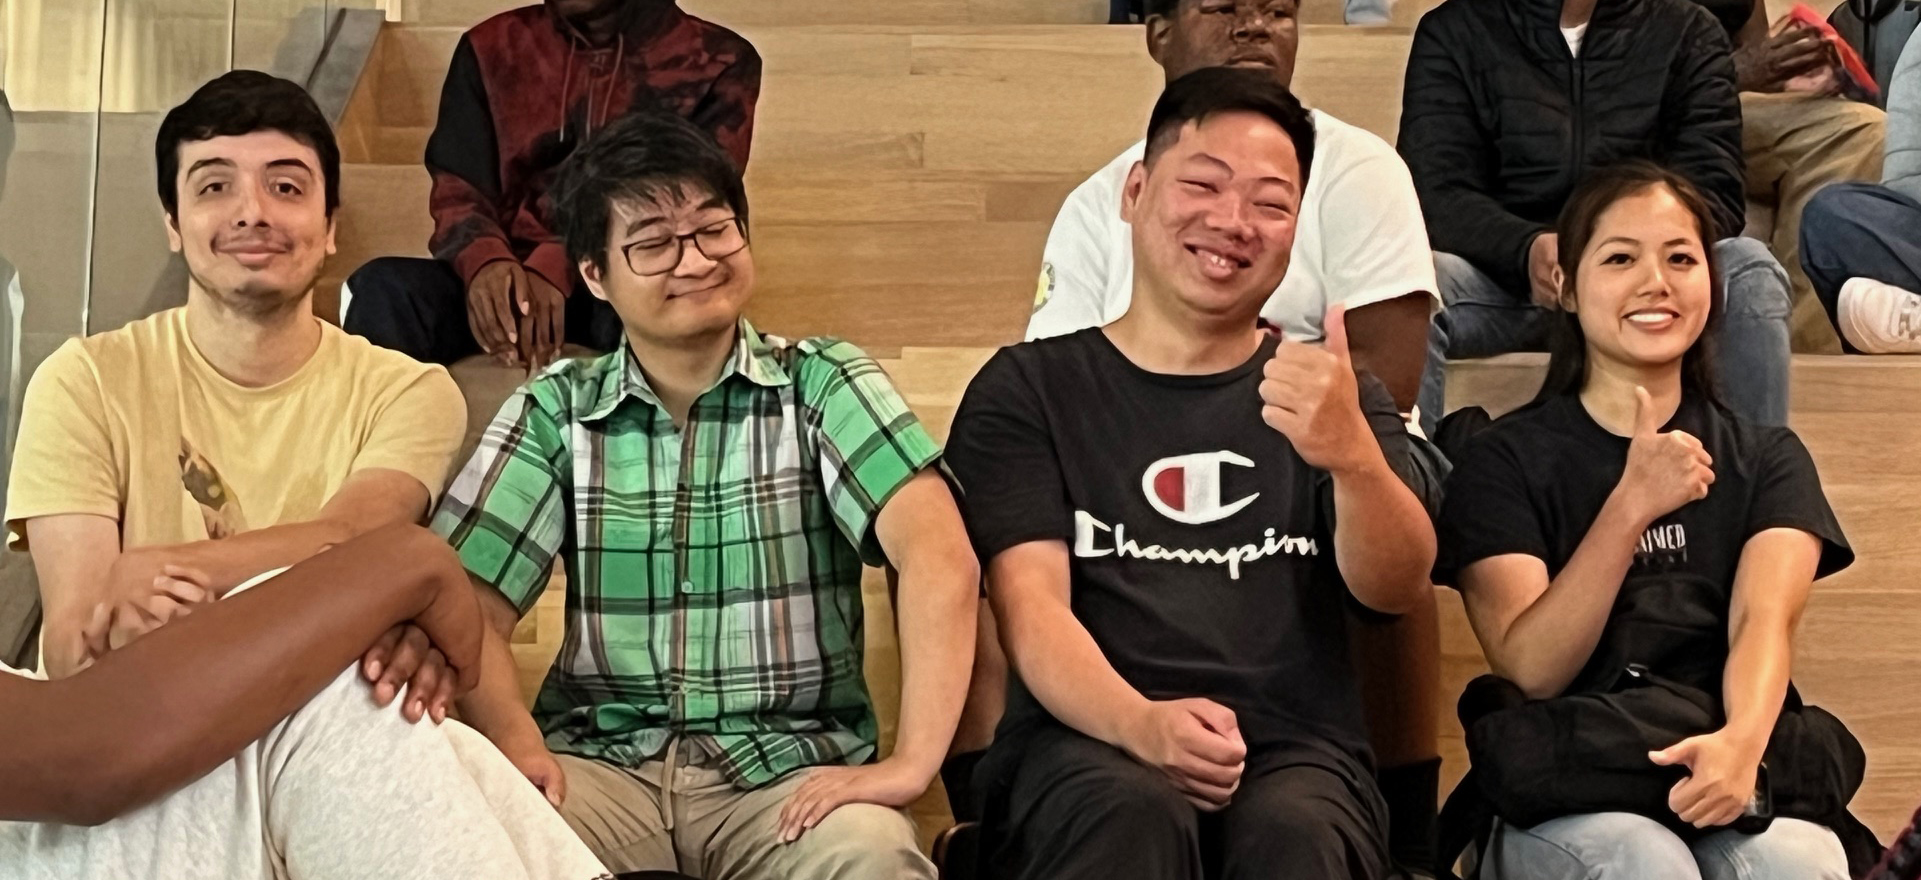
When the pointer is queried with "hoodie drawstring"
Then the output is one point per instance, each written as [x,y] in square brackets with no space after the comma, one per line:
[566,85]
[595,117]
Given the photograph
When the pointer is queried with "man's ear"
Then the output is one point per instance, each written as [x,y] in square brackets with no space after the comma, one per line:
[332,227]
[174,242]
[1131,191]
[1160,28]
[595,277]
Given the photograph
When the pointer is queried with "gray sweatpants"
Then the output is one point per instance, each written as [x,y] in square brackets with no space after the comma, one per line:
[341,789]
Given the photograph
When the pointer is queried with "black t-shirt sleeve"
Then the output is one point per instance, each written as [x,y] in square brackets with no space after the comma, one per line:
[1002,455]
[1390,431]
[1787,495]
[1486,511]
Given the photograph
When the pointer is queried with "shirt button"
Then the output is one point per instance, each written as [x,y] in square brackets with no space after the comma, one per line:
[686,586]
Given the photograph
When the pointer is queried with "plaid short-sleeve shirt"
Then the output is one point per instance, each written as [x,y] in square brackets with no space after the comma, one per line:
[713,570]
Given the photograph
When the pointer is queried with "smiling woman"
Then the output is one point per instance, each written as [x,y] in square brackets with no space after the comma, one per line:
[1627,533]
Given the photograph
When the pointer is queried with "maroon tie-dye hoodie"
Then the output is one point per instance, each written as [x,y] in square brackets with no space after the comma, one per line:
[525,88]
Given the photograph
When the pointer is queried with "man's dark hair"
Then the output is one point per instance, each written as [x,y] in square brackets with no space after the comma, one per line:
[242,102]
[1215,90]
[1598,191]
[642,158]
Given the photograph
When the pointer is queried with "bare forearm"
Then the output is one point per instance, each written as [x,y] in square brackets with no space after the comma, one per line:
[494,707]
[1383,539]
[1389,340]
[1756,682]
[1059,662]
[230,561]
[1546,646]
[155,715]
[937,608]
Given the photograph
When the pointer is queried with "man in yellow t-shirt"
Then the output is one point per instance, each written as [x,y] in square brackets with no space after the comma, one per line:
[161,464]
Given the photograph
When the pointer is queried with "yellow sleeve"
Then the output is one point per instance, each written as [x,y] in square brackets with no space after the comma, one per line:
[63,461]
[418,431]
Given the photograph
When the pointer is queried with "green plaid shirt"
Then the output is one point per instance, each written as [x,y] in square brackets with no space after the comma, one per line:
[713,572]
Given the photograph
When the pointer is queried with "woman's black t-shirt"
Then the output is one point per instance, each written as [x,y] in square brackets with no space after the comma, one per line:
[1201,553]
[1533,482]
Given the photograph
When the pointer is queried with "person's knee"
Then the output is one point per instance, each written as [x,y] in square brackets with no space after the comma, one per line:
[1290,833]
[1598,846]
[1756,284]
[1838,208]
[1791,849]
[1457,278]
[866,840]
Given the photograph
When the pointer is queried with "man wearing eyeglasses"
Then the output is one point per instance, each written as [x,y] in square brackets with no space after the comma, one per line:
[713,493]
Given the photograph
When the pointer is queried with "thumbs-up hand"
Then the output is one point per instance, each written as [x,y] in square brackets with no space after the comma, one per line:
[1664,471]
[1720,782]
[1309,394]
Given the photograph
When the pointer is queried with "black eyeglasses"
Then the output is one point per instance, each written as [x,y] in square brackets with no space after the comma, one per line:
[658,256]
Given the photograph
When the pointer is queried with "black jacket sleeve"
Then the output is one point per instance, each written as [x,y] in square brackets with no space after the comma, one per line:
[464,158]
[1454,163]
[1701,121]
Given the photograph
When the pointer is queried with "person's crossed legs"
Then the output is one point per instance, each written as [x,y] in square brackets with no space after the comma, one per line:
[341,789]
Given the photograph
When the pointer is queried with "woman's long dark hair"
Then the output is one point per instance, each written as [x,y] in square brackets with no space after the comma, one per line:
[1567,347]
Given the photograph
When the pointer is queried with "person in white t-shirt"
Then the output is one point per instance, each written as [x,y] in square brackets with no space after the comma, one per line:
[1361,239]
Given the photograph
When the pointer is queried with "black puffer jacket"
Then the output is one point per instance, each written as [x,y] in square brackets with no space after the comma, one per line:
[1499,119]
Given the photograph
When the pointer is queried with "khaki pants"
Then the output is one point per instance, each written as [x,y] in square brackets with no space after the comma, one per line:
[670,815]
[1795,145]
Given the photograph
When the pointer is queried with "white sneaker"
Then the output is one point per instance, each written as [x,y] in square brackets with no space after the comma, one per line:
[1879,318]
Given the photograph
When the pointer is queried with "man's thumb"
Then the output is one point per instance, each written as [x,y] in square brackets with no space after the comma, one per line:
[1334,330]
[1679,753]
[1646,423]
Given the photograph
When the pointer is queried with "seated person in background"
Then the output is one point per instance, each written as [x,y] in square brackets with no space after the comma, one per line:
[1796,141]
[1627,517]
[1509,103]
[217,748]
[713,493]
[161,464]
[525,89]
[1175,511]
[1861,243]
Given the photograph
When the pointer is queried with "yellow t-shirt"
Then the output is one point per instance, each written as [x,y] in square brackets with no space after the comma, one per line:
[136,425]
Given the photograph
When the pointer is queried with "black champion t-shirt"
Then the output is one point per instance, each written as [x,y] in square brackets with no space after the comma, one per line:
[1534,481]
[1201,545]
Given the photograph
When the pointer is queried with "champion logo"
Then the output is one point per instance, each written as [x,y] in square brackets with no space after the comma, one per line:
[1187,488]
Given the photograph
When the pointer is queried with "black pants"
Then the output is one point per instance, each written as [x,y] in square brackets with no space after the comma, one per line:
[1063,806]
[418,307]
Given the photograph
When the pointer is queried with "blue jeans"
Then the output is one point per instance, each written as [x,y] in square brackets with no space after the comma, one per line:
[1624,846]
[1860,230]
[1478,319]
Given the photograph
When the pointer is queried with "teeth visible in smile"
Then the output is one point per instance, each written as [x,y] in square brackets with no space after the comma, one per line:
[1219,260]
[1650,317]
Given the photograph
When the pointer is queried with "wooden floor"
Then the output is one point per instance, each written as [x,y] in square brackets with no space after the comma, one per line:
[909,158]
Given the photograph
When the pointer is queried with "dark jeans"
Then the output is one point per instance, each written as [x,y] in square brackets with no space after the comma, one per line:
[1063,806]
[1860,230]
[418,307]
